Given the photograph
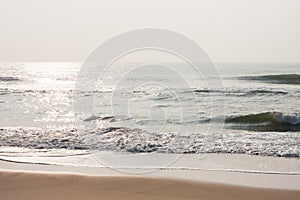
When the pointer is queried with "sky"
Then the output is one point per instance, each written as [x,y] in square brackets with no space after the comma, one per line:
[229,30]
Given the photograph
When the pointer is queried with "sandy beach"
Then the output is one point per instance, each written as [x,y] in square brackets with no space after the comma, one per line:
[60,181]
[150,100]
[21,185]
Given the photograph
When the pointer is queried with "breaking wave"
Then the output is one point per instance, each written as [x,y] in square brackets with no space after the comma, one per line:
[267,121]
[133,140]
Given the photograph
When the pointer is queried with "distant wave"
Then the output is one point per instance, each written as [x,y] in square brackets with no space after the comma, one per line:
[228,92]
[243,92]
[267,121]
[94,117]
[278,78]
[205,91]
[257,92]
[9,78]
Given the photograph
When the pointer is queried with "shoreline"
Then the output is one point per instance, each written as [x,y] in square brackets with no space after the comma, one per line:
[187,168]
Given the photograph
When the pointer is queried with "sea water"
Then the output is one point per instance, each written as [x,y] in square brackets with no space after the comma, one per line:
[255,111]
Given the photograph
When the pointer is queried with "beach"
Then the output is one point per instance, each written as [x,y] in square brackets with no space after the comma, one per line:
[137,100]
[20,185]
[251,152]
[20,180]
[53,147]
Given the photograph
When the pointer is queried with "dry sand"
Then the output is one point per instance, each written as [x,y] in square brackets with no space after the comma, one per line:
[52,186]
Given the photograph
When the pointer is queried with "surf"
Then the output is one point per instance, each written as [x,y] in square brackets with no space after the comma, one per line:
[266,121]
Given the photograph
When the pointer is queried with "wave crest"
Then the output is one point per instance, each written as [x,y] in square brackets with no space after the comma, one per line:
[277,78]
[267,121]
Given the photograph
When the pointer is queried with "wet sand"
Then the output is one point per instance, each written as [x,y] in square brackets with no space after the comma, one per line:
[27,185]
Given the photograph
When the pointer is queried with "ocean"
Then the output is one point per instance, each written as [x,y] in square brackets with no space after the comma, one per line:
[146,109]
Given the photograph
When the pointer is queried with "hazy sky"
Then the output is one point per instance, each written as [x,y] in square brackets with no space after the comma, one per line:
[230,30]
